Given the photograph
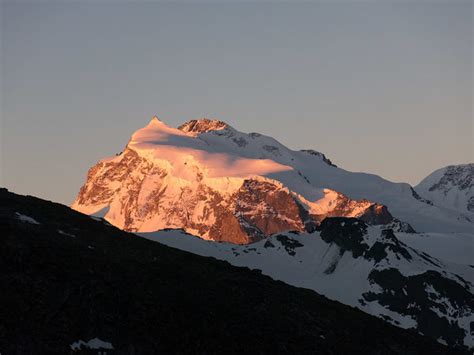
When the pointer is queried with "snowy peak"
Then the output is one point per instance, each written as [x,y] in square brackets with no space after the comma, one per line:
[156,122]
[213,185]
[460,176]
[203,125]
[155,119]
[452,186]
[154,130]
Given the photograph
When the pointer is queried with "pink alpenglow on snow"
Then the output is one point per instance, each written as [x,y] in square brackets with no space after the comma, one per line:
[213,181]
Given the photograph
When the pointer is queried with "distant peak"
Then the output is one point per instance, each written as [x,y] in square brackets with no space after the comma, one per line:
[202,125]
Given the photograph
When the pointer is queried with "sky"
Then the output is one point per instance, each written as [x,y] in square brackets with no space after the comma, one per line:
[384,87]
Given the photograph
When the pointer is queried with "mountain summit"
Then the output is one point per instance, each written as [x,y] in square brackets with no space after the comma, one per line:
[452,186]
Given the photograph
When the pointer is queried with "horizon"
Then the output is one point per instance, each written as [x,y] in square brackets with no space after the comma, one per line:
[381,88]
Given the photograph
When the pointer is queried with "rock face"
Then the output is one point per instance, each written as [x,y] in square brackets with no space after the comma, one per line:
[202,126]
[74,285]
[452,186]
[364,266]
[170,178]
[319,155]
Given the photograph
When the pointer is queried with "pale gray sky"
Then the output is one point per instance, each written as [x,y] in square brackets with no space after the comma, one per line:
[382,87]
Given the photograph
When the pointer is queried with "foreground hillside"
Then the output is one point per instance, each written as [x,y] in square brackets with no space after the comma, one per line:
[72,284]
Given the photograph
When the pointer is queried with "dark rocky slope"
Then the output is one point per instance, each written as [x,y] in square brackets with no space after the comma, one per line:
[73,278]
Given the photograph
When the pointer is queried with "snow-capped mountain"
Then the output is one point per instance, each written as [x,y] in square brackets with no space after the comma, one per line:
[452,187]
[367,267]
[207,177]
[203,177]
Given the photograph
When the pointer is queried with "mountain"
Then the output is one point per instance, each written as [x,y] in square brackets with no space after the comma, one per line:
[363,266]
[205,175]
[452,187]
[217,183]
[72,284]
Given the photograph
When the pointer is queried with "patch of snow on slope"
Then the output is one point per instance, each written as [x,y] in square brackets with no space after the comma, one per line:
[66,234]
[95,344]
[26,219]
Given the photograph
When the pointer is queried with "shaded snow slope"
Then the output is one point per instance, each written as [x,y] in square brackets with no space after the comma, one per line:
[362,266]
[454,247]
